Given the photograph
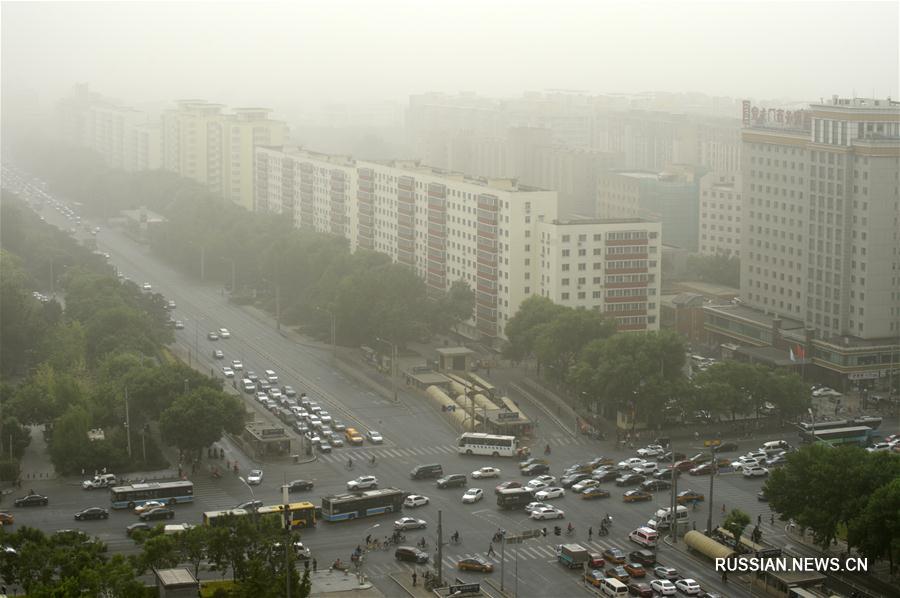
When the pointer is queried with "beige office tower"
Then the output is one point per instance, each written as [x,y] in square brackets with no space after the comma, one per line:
[720,214]
[821,217]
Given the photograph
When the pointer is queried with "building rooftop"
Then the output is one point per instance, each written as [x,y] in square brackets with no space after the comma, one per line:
[577,221]
[737,310]
[174,578]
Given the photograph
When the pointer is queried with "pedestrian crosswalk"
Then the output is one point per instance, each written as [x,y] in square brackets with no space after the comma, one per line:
[340,456]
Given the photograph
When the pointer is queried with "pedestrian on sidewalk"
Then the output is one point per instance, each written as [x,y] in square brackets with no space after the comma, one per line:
[315,565]
[590,533]
[490,551]
[759,519]
[414,577]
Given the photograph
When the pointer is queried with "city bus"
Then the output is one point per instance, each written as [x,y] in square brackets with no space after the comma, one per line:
[514,498]
[343,507]
[867,421]
[471,443]
[219,517]
[858,435]
[301,514]
[170,493]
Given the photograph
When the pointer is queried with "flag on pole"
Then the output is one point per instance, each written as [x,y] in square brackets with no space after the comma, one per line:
[793,357]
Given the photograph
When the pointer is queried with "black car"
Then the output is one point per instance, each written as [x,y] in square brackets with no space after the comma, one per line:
[666,474]
[644,557]
[572,479]
[535,469]
[92,513]
[136,527]
[629,479]
[411,554]
[249,505]
[452,480]
[32,500]
[605,475]
[299,485]
[157,513]
[656,484]
[726,447]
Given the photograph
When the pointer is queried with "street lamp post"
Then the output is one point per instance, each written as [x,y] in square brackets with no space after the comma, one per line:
[393,366]
[249,487]
[333,329]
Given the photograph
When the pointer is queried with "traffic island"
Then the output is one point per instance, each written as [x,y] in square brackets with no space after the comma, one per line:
[334,583]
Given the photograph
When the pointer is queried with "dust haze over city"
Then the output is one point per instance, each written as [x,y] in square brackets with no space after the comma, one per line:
[305,298]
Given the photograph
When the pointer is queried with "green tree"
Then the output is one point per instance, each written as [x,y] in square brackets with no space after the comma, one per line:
[876,530]
[559,341]
[451,309]
[192,546]
[69,446]
[735,522]
[198,419]
[524,328]
[159,552]
[14,433]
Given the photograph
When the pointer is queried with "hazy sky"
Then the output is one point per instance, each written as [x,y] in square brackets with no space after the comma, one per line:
[269,53]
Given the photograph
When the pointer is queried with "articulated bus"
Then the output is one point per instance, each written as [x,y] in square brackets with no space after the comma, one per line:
[343,507]
[472,443]
[858,435]
[170,493]
[301,514]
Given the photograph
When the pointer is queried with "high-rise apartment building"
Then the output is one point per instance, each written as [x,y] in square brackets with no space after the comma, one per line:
[214,148]
[670,197]
[720,214]
[821,218]
[447,226]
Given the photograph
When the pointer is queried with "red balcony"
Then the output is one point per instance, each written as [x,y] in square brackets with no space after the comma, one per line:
[625,285]
[625,256]
[436,281]
[486,245]
[365,243]
[406,220]
[364,197]
[406,245]
[406,183]
[437,256]
[630,299]
[406,208]
[619,242]
[486,233]
[437,243]
[486,287]
[437,217]
[611,271]
[364,231]
[485,300]
[487,202]
[485,273]
[437,230]
[405,233]
[487,259]
[404,196]
[366,220]
[365,174]
[406,257]
[366,209]
[437,205]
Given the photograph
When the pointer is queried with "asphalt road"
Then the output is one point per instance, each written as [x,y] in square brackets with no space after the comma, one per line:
[414,432]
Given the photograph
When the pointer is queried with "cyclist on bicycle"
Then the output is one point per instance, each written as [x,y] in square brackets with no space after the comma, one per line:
[571,528]
[455,537]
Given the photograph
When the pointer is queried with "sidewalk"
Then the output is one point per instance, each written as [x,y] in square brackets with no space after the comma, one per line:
[35,463]
[404,580]
[338,583]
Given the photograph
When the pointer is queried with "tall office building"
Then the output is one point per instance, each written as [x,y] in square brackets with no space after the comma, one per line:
[821,217]
[720,214]
[503,238]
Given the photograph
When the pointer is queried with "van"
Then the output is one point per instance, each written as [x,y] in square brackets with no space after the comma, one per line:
[410,554]
[662,519]
[613,587]
[353,437]
[271,376]
[644,536]
[248,385]
[421,472]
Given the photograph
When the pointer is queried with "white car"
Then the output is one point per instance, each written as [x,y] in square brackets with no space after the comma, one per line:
[223,333]
[535,485]
[654,450]
[533,506]
[374,437]
[547,513]
[688,586]
[227,371]
[745,463]
[473,495]
[647,467]
[756,471]
[663,587]
[584,485]
[630,463]
[486,472]
[146,287]
[261,396]
[147,506]
[415,500]
[550,492]
[255,477]
[547,479]
[409,523]
[363,482]
[880,446]
[237,365]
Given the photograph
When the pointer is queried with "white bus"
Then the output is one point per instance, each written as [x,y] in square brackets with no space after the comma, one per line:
[471,443]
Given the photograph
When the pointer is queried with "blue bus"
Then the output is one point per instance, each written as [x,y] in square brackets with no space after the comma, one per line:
[857,435]
[356,505]
[170,493]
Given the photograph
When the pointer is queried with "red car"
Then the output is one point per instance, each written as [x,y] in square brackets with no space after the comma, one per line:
[596,560]
[685,465]
[639,588]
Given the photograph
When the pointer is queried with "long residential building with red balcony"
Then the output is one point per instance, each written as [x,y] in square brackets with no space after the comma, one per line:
[487,232]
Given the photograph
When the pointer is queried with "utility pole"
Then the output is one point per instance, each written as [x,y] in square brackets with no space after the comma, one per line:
[502,560]
[233,278]
[394,371]
[674,507]
[288,547]
[438,565]
[278,307]
[127,423]
[714,471]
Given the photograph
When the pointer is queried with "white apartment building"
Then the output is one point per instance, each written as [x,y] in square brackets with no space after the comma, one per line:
[821,218]
[444,225]
[720,214]
[612,266]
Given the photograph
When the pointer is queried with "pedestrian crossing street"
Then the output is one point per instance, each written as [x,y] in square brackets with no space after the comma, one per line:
[340,455]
